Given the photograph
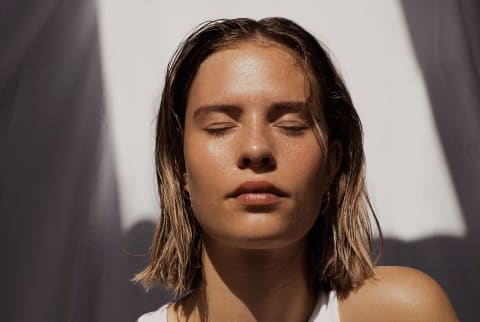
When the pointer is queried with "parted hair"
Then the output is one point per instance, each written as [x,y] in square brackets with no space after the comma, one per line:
[339,247]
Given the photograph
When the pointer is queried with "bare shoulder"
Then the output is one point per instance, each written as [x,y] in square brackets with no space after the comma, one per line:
[398,294]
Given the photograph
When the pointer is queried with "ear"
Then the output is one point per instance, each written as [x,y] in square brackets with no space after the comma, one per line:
[334,159]
[185,182]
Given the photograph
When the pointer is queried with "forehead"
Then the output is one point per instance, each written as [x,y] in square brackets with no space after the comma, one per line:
[253,51]
[257,44]
[259,69]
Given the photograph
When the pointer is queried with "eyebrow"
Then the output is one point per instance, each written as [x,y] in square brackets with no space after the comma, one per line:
[285,107]
[275,110]
[232,110]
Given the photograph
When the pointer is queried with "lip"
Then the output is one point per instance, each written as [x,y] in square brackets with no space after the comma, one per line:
[257,193]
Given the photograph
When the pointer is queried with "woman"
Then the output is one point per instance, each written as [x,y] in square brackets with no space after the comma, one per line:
[260,168]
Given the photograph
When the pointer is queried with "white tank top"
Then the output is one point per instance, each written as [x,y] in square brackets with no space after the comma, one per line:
[326,310]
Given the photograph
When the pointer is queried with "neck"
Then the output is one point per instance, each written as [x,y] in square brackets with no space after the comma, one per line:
[252,285]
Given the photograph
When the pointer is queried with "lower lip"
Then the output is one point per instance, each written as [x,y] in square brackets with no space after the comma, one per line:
[257,199]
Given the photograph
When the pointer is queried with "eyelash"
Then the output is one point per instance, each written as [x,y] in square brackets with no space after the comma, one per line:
[293,130]
[218,131]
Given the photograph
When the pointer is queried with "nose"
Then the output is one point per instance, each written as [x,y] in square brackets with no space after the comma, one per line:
[256,152]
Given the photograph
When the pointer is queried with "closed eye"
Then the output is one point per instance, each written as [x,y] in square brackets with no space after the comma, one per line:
[218,129]
[293,129]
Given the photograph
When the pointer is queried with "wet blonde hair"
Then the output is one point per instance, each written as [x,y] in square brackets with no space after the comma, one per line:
[340,244]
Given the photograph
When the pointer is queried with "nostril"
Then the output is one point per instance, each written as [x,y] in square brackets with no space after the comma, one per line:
[245,163]
[261,164]
[256,153]
[266,161]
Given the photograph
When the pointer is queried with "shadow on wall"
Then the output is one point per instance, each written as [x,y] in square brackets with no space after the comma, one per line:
[445,38]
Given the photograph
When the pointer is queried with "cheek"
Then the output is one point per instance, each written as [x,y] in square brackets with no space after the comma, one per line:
[208,176]
[306,165]
[307,175]
[205,165]
[315,175]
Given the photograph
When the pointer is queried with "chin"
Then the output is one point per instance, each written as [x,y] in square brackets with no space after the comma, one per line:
[259,236]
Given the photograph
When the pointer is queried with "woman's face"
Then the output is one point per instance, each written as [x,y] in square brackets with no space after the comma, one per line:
[255,171]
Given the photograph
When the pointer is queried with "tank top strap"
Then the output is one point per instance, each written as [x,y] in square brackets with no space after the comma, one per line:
[326,309]
[159,315]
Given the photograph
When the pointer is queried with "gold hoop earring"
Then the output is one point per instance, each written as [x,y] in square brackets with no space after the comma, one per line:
[327,203]
[185,183]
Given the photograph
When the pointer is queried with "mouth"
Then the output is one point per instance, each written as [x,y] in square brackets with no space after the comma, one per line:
[257,193]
